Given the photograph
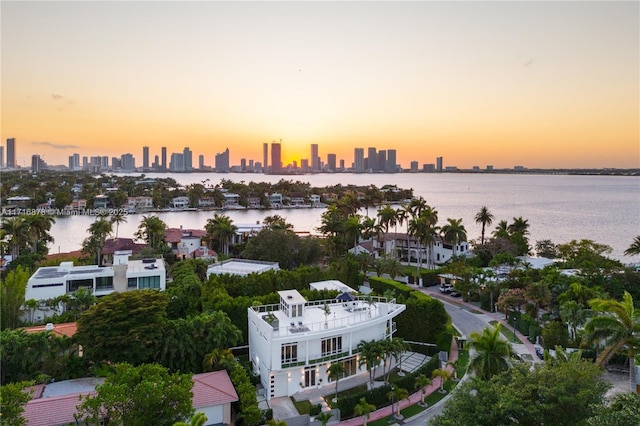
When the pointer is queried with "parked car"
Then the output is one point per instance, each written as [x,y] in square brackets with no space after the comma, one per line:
[445,288]
[454,293]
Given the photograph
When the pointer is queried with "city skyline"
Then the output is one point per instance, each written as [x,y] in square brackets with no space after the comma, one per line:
[544,85]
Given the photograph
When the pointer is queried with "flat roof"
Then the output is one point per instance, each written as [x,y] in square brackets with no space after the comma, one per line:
[331,285]
[241,267]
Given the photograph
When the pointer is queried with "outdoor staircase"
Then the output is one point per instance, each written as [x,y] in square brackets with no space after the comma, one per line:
[412,361]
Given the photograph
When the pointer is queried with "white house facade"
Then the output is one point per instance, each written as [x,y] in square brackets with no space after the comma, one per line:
[53,281]
[292,344]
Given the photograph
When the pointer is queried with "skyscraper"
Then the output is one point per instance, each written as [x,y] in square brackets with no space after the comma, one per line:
[35,163]
[391,161]
[358,160]
[201,161]
[177,162]
[381,165]
[222,162]
[1,157]
[163,165]
[315,159]
[331,162]
[276,158]
[265,157]
[11,153]
[127,162]
[439,164]
[145,157]
[372,158]
[188,158]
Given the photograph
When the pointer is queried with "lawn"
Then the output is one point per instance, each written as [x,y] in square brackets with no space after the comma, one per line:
[303,407]
[508,333]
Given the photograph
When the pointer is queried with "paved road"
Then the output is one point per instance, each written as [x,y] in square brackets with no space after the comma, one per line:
[466,322]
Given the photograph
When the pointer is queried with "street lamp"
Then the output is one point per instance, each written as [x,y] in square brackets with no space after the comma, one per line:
[513,316]
[393,407]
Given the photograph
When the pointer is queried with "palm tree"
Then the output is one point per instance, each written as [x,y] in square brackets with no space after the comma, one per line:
[370,355]
[574,314]
[422,381]
[444,375]
[363,408]
[387,217]
[396,395]
[221,229]
[218,359]
[39,226]
[151,229]
[17,230]
[98,233]
[519,226]
[619,327]
[484,217]
[455,364]
[502,230]
[402,214]
[492,352]
[336,371]
[454,232]
[634,248]
[118,217]
[398,347]
[352,229]
[324,417]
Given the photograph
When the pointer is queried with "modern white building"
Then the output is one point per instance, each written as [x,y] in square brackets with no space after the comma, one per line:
[242,267]
[292,344]
[52,281]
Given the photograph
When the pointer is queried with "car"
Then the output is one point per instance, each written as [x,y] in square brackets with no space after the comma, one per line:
[445,288]
[454,293]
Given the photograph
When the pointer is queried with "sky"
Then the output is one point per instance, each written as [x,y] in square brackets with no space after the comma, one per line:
[537,84]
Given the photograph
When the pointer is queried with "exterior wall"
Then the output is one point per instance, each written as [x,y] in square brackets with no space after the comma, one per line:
[285,379]
[217,414]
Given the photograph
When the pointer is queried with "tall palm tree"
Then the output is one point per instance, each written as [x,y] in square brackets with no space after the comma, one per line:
[396,395]
[422,381]
[39,226]
[454,232]
[484,217]
[117,218]
[363,408]
[352,228]
[634,248]
[370,356]
[418,228]
[387,217]
[99,231]
[492,352]
[221,229]
[519,226]
[502,230]
[16,229]
[417,205]
[335,372]
[444,375]
[403,213]
[151,229]
[619,327]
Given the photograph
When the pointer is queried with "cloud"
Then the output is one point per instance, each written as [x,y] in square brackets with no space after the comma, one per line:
[55,145]
[60,98]
[528,63]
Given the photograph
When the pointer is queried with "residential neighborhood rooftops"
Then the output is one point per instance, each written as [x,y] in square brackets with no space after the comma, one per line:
[63,329]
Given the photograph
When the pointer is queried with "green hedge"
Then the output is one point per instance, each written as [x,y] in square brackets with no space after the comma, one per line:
[380,285]
[378,396]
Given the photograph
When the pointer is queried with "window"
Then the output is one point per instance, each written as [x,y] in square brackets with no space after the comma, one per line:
[289,352]
[331,346]
[149,282]
[132,283]
[76,284]
[104,283]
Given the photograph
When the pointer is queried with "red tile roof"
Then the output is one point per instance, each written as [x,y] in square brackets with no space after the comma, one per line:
[64,329]
[213,388]
[173,235]
[117,244]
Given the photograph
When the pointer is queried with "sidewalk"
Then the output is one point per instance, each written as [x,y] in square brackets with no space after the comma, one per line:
[413,399]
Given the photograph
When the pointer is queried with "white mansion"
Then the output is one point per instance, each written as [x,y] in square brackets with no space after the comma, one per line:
[53,281]
[292,344]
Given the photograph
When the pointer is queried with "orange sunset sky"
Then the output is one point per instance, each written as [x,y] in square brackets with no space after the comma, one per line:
[539,84]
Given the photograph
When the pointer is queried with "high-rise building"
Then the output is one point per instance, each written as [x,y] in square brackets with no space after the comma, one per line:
[243,164]
[358,160]
[115,163]
[391,161]
[145,157]
[127,162]
[222,162]
[265,157]
[331,162]
[177,162]
[74,162]
[304,164]
[201,161]
[104,163]
[85,163]
[35,163]
[188,158]
[94,164]
[1,157]
[372,158]
[163,164]
[342,165]
[11,153]
[381,165]
[414,167]
[315,158]
[156,162]
[439,164]
[276,158]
